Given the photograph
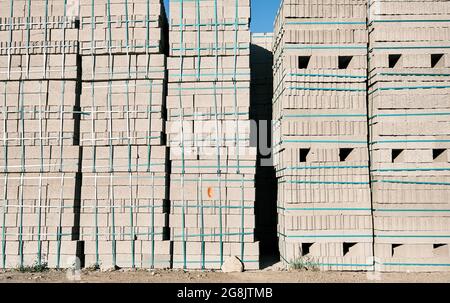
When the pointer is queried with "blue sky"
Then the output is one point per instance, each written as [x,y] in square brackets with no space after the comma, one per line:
[263,14]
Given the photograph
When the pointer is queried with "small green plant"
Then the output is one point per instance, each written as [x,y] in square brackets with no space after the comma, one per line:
[35,268]
[304,263]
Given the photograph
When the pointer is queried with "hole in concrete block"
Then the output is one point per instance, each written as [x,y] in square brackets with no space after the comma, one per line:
[393,60]
[344,61]
[344,153]
[306,248]
[347,246]
[304,152]
[394,248]
[396,155]
[303,61]
[439,155]
[441,250]
[437,60]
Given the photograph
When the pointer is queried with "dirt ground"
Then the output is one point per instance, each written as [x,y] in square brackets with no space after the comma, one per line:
[173,276]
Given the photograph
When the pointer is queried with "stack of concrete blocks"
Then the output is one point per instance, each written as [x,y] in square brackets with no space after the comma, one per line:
[320,134]
[409,107]
[39,141]
[212,182]
[124,190]
[261,62]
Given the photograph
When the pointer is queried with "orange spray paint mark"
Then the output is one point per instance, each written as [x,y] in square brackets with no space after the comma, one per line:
[210,192]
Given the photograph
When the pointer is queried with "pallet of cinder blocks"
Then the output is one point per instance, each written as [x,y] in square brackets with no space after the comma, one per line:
[409,116]
[122,27]
[40,162]
[124,211]
[212,182]
[38,40]
[320,134]
[40,156]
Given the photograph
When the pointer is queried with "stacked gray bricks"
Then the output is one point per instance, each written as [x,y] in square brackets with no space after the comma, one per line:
[409,117]
[39,141]
[320,134]
[212,182]
[124,215]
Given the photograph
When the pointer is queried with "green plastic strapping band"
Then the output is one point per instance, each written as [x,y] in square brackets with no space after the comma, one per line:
[326,75]
[202,223]
[183,170]
[323,209]
[41,170]
[410,169]
[235,82]
[22,171]
[412,182]
[45,40]
[324,182]
[216,52]
[59,230]
[28,37]
[5,172]
[410,115]
[11,15]
[197,3]
[327,89]
[326,236]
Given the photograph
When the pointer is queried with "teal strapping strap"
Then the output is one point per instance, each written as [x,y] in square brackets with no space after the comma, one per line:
[412,182]
[324,182]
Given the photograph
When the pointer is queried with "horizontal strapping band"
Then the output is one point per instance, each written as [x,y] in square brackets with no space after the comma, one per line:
[410,210]
[411,182]
[324,47]
[328,89]
[324,116]
[412,236]
[208,24]
[409,20]
[410,169]
[414,74]
[326,236]
[324,167]
[212,206]
[323,141]
[211,48]
[411,115]
[413,264]
[411,47]
[325,182]
[327,75]
[410,141]
[409,88]
[210,74]
[209,114]
[325,22]
[323,209]
[214,180]
[211,262]
[215,235]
